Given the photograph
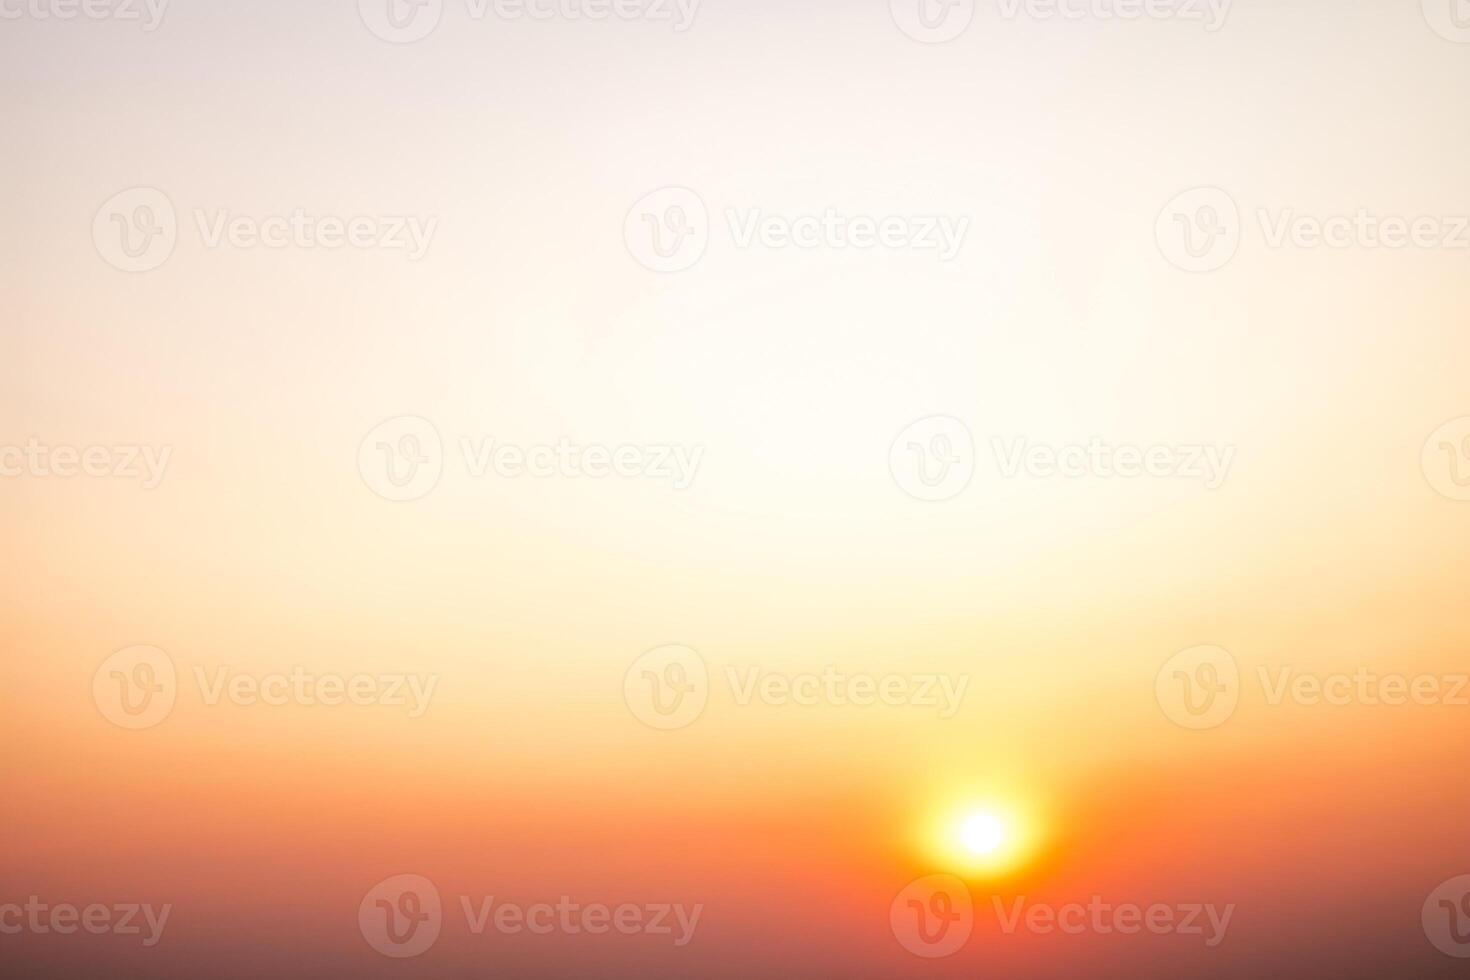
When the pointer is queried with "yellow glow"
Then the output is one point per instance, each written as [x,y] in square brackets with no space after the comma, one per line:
[983,833]
[984,838]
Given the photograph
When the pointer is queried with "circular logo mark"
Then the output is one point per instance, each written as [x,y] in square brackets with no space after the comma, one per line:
[136,687]
[933,916]
[1450,19]
[932,21]
[1199,230]
[933,459]
[136,229]
[1446,459]
[1446,917]
[401,916]
[402,459]
[1199,688]
[401,21]
[667,687]
[668,230]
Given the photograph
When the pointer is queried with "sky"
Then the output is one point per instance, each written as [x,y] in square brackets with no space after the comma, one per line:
[829,489]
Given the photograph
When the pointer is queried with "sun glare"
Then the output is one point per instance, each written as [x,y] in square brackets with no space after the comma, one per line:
[983,838]
[983,833]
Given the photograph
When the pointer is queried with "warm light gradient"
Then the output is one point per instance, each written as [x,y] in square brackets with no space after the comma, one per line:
[528,777]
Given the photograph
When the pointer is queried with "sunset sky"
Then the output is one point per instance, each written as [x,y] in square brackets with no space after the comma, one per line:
[837,620]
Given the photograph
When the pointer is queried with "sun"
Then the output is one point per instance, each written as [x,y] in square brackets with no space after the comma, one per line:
[983,833]
[987,838]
